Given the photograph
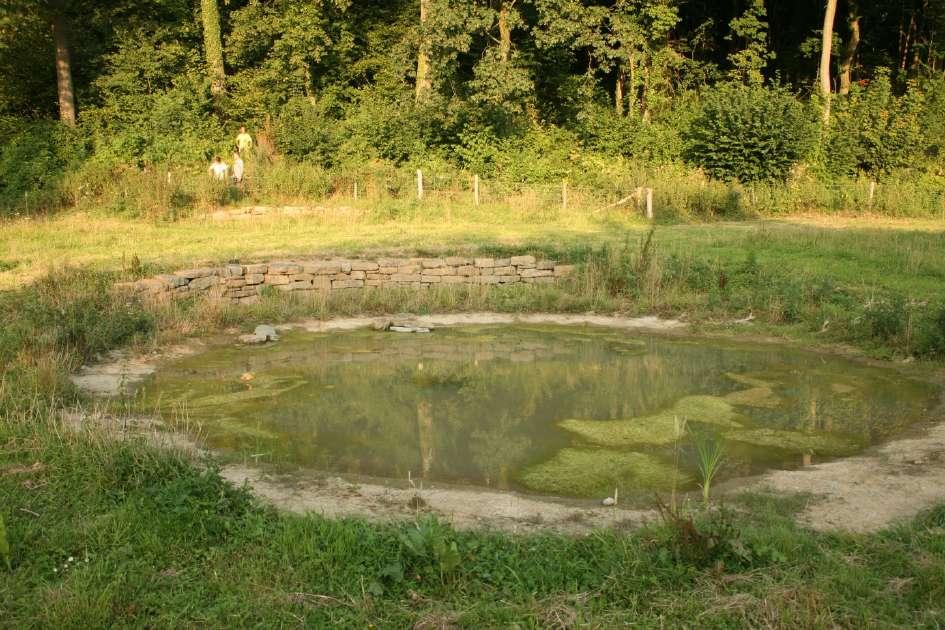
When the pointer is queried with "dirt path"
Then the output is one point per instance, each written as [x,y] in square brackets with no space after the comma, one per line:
[868,492]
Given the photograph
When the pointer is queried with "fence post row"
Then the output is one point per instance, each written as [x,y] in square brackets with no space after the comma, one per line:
[564,194]
[419,184]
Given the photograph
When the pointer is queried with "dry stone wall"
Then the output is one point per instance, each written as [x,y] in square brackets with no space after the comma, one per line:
[241,282]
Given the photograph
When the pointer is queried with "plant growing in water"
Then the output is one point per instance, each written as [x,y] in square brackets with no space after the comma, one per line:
[711,456]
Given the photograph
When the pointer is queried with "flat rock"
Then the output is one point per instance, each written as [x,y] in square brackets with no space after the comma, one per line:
[267,332]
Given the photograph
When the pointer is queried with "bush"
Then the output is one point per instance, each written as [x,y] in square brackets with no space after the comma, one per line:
[749,133]
[873,131]
[34,160]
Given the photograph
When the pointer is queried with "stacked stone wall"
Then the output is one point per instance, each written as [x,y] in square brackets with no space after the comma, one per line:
[241,283]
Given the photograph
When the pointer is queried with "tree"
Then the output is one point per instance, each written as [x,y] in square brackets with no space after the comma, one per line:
[825,51]
[424,82]
[851,46]
[65,89]
[213,45]
[751,28]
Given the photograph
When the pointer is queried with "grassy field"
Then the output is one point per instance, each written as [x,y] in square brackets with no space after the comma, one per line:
[116,533]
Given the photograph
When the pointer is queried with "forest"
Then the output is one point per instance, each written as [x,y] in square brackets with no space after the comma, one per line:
[518,91]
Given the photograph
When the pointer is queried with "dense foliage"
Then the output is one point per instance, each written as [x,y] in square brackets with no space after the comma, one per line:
[518,90]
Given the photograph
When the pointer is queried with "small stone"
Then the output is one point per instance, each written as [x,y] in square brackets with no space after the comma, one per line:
[267,332]
[608,502]
[252,339]
[409,329]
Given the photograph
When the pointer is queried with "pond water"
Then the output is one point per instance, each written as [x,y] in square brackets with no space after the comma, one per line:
[568,411]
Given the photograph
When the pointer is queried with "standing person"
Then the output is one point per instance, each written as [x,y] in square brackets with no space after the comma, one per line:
[244,142]
[238,167]
[218,169]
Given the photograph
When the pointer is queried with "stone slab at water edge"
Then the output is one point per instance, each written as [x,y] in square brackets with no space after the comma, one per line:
[241,283]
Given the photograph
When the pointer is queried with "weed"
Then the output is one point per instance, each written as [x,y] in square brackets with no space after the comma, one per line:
[711,455]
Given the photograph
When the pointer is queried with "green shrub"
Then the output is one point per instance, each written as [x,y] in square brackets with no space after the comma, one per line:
[749,133]
[873,131]
[34,160]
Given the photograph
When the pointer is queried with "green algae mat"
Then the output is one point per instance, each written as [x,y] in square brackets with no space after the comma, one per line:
[567,411]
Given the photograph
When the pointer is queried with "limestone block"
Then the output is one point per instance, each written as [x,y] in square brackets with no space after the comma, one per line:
[456,261]
[364,265]
[467,270]
[387,270]
[440,271]
[278,268]
[257,269]
[321,283]
[545,264]
[300,285]
[487,280]
[430,279]
[233,271]
[347,284]
[151,285]
[411,268]
[235,283]
[374,282]
[504,271]
[391,262]
[322,268]
[453,279]
[485,262]
[204,282]
[301,277]
[509,279]
[564,270]
[254,278]
[201,272]
[405,277]
[277,280]
[503,262]
[524,262]
[539,280]
[345,265]
[249,299]
[432,263]
[172,281]
[535,273]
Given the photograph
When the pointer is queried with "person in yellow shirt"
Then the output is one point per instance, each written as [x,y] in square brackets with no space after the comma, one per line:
[244,142]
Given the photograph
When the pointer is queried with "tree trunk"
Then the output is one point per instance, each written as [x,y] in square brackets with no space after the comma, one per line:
[424,84]
[213,45]
[63,71]
[849,51]
[618,91]
[825,51]
[505,33]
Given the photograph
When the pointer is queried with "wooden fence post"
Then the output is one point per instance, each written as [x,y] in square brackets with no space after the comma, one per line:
[649,203]
[476,189]
[419,184]
[872,191]
[356,190]
[564,194]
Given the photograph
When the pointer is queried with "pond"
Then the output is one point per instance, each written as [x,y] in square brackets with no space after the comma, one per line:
[552,410]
